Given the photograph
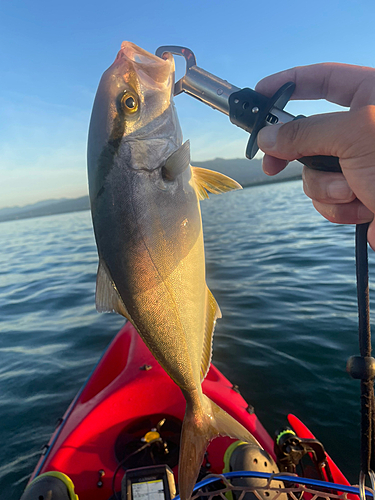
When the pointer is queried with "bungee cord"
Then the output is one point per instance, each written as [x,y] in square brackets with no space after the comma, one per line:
[362,367]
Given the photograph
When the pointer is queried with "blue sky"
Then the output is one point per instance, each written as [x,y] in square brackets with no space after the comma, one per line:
[53,54]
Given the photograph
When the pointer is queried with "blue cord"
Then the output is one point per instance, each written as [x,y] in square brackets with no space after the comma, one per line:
[280,477]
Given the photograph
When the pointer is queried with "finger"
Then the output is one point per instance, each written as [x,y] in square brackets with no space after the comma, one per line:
[347,213]
[348,135]
[337,83]
[326,187]
[272,165]
[326,134]
[371,235]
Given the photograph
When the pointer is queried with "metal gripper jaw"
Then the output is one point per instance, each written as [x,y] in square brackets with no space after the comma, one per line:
[246,108]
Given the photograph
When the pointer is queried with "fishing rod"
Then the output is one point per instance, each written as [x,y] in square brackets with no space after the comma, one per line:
[252,111]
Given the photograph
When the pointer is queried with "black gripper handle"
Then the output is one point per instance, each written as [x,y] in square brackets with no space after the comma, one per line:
[320,162]
[250,111]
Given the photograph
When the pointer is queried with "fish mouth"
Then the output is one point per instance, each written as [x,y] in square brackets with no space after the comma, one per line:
[139,55]
[148,67]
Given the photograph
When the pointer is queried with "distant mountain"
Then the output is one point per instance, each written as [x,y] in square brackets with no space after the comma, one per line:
[247,173]
[250,173]
[17,209]
[50,207]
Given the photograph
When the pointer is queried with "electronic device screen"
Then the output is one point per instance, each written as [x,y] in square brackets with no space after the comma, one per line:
[148,483]
[148,490]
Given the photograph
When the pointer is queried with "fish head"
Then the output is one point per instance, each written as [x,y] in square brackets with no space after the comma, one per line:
[134,112]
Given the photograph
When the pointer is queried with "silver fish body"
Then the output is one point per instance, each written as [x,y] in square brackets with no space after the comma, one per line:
[145,207]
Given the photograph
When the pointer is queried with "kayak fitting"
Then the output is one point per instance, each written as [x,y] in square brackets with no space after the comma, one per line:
[241,456]
[50,486]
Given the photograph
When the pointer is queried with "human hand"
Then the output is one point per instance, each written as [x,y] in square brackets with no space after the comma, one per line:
[347,198]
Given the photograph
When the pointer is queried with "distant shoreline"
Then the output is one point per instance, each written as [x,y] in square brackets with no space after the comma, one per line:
[248,174]
[56,207]
[32,216]
[84,204]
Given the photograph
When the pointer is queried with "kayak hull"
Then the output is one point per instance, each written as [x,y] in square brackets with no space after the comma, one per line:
[128,390]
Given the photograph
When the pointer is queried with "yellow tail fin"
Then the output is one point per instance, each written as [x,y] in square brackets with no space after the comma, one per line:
[202,424]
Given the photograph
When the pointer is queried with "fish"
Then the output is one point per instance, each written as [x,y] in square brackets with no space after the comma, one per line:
[145,203]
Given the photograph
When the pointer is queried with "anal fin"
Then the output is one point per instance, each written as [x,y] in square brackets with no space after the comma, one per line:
[107,298]
[212,313]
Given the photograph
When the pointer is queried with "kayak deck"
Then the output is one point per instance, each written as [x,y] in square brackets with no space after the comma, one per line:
[127,392]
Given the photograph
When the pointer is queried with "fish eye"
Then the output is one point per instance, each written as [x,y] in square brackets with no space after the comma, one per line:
[129,102]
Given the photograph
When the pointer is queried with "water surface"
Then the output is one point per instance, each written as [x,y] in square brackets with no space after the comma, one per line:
[285,281]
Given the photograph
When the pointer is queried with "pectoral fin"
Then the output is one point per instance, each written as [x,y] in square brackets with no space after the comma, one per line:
[107,298]
[213,182]
[177,162]
[212,313]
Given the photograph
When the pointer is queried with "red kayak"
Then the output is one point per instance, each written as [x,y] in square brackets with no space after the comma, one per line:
[129,415]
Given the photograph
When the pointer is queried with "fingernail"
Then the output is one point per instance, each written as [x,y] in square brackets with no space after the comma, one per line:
[267,137]
[339,190]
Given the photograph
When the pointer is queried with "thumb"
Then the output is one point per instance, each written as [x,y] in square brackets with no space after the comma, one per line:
[349,135]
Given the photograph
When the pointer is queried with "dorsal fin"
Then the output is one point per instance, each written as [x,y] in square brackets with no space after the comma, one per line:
[107,298]
[177,162]
[212,313]
[213,182]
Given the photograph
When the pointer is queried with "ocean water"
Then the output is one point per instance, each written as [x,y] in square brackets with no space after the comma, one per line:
[285,281]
